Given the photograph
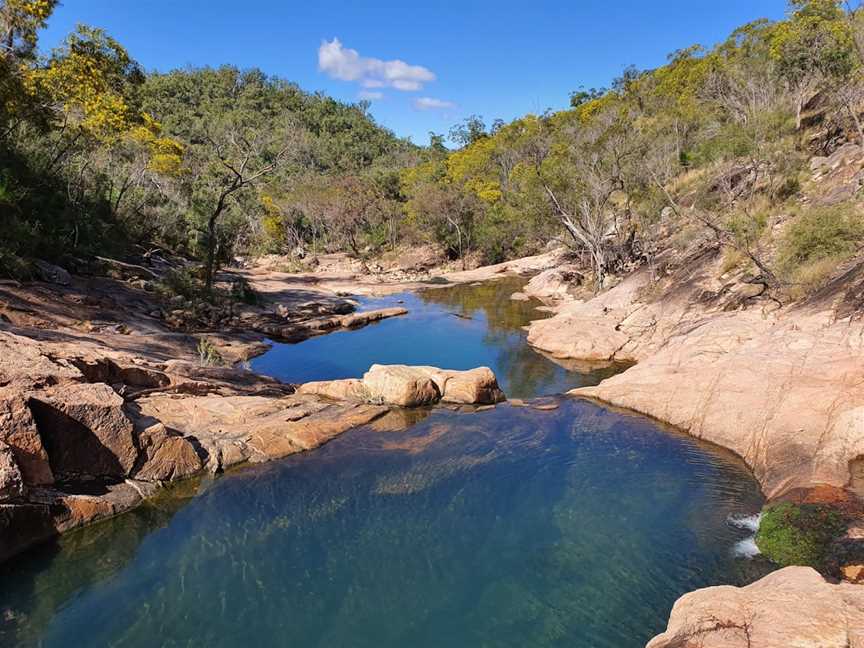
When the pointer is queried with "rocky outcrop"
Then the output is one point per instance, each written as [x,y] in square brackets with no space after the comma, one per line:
[406,386]
[86,431]
[555,284]
[295,331]
[790,607]
[783,388]
[235,429]
[86,435]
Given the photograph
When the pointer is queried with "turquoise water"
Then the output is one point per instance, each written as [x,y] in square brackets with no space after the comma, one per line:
[578,526]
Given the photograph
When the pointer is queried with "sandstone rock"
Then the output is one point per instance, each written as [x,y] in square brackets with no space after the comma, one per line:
[413,386]
[167,456]
[400,385]
[349,389]
[520,296]
[853,573]
[355,320]
[473,387]
[52,273]
[790,607]
[556,283]
[11,481]
[18,431]
[85,431]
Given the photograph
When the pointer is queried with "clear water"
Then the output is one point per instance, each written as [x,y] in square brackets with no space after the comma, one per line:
[459,327]
[578,526]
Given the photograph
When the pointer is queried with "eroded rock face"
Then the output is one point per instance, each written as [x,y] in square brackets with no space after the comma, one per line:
[413,386]
[11,481]
[18,431]
[790,607]
[167,456]
[85,430]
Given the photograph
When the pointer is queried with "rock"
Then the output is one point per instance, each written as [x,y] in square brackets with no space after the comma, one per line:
[350,389]
[168,456]
[234,429]
[52,273]
[400,385]
[22,525]
[413,386]
[853,573]
[11,481]
[473,387]
[18,431]
[520,296]
[85,430]
[790,607]
[555,284]
[355,320]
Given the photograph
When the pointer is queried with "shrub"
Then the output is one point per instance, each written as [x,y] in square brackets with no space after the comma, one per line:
[790,534]
[208,354]
[821,233]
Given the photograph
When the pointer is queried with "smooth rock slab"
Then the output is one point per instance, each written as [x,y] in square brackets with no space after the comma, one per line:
[792,607]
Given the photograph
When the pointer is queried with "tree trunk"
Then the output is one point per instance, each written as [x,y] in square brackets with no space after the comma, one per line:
[211,242]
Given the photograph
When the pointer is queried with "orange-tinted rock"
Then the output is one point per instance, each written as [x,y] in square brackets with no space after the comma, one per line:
[18,431]
[790,607]
[400,385]
[11,482]
[853,573]
[167,456]
[85,430]
[348,389]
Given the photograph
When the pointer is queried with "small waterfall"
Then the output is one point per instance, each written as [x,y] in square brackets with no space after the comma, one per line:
[746,548]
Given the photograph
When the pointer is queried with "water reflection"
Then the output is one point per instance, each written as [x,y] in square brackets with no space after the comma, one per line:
[457,327]
[511,527]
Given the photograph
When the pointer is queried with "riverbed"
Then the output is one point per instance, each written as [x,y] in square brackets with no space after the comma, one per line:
[568,525]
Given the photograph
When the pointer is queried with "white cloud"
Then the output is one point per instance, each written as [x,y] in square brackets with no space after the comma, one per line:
[370,95]
[430,103]
[346,64]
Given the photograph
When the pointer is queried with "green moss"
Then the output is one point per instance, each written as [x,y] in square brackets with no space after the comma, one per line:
[799,535]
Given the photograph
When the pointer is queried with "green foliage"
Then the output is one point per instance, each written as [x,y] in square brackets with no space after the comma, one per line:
[821,233]
[790,534]
[208,354]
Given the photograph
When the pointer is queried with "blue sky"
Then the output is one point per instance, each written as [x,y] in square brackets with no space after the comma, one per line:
[426,65]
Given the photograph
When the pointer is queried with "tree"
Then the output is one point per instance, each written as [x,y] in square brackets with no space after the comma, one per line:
[237,156]
[470,130]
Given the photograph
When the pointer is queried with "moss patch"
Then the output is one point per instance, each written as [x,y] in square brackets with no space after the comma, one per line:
[790,534]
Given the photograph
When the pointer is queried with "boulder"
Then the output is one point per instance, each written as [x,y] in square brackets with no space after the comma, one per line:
[400,385]
[413,386]
[555,284]
[473,387]
[18,431]
[349,389]
[790,607]
[85,430]
[52,273]
[11,481]
[167,456]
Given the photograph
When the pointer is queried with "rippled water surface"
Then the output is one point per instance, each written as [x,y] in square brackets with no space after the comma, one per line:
[577,526]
